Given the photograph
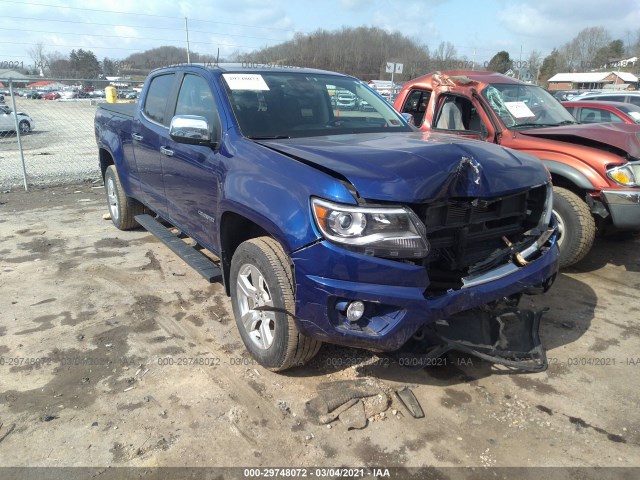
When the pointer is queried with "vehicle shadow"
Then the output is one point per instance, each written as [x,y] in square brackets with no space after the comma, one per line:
[616,249]
[571,305]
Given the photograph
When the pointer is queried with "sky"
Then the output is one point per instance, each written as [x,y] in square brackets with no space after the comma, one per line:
[478,30]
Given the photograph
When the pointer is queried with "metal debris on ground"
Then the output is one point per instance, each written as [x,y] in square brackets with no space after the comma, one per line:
[410,402]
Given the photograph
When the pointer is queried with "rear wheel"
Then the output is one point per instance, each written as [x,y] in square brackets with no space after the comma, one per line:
[123,209]
[576,227]
[263,300]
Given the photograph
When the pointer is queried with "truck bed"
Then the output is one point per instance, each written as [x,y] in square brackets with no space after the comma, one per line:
[125,109]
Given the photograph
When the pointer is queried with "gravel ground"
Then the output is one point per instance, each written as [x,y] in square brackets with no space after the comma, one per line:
[113,353]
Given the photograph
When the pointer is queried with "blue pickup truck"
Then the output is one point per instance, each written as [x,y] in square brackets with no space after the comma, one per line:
[329,225]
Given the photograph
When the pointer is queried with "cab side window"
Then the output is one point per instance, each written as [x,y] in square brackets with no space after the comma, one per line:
[195,98]
[416,105]
[457,113]
[155,105]
[594,115]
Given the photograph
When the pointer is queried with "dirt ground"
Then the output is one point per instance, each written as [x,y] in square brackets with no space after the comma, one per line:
[113,352]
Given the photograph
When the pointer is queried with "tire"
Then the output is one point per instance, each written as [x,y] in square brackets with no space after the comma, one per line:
[261,276]
[576,226]
[24,126]
[123,209]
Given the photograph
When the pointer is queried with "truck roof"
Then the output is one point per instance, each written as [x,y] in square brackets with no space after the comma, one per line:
[464,77]
[251,67]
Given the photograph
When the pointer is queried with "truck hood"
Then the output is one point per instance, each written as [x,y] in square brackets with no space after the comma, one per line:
[416,167]
[621,136]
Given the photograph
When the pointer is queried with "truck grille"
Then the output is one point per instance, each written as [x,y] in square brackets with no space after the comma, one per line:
[466,234]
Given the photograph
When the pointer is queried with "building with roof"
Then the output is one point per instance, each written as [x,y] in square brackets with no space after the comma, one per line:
[593,81]
[15,76]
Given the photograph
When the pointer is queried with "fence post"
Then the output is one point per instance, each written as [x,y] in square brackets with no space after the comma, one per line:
[17,123]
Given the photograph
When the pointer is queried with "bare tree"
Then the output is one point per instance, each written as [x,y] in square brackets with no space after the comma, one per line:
[39,57]
[445,56]
[580,53]
[534,63]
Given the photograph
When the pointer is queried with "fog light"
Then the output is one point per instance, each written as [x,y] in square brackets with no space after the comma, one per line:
[355,310]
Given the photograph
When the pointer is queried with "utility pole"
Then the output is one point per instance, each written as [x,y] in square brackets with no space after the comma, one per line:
[520,62]
[186,29]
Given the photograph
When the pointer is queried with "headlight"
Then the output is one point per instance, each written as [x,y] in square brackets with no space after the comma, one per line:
[392,232]
[627,175]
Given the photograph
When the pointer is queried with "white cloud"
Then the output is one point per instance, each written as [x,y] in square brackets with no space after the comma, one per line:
[554,23]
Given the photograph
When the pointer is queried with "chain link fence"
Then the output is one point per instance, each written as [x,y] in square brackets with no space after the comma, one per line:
[52,140]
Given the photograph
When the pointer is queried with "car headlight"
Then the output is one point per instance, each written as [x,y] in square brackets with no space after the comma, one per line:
[390,232]
[627,175]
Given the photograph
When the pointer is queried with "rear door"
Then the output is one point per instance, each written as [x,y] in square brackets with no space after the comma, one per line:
[148,131]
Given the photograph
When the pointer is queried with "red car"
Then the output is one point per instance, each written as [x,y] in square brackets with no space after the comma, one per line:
[52,96]
[589,111]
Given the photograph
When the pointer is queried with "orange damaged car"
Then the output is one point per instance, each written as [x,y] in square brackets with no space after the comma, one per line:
[595,167]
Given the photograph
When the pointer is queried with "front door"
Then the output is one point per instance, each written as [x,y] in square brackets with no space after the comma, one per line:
[191,173]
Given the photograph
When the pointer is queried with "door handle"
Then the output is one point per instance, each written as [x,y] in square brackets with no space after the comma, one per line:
[136,137]
[166,151]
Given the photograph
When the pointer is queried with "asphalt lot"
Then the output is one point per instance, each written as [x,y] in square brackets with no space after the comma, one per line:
[114,353]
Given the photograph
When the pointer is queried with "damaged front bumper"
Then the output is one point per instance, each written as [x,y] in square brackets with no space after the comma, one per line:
[502,335]
[394,293]
[624,206]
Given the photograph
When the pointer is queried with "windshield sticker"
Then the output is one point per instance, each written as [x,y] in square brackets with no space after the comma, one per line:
[519,109]
[245,81]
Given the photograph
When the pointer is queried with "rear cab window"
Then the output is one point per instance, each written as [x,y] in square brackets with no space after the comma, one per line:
[155,104]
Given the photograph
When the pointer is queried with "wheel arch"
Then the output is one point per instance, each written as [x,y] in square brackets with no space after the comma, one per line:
[105,159]
[235,229]
[568,177]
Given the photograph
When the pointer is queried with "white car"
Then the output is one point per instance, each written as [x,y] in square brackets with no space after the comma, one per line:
[8,122]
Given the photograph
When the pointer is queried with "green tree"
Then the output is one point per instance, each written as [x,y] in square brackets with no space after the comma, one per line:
[500,62]
[108,67]
[84,64]
[550,66]
[605,55]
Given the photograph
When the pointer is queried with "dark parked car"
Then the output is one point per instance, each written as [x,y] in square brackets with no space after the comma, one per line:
[589,111]
[33,94]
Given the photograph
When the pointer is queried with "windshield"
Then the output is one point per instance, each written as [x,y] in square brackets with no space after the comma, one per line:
[526,106]
[632,111]
[290,104]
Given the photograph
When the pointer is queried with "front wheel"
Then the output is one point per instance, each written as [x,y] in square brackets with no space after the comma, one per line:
[24,127]
[576,227]
[263,300]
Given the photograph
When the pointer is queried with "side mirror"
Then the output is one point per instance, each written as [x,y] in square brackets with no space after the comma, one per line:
[191,129]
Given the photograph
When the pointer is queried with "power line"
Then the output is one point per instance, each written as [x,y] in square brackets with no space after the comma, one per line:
[138,14]
[136,38]
[89,47]
[119,25]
